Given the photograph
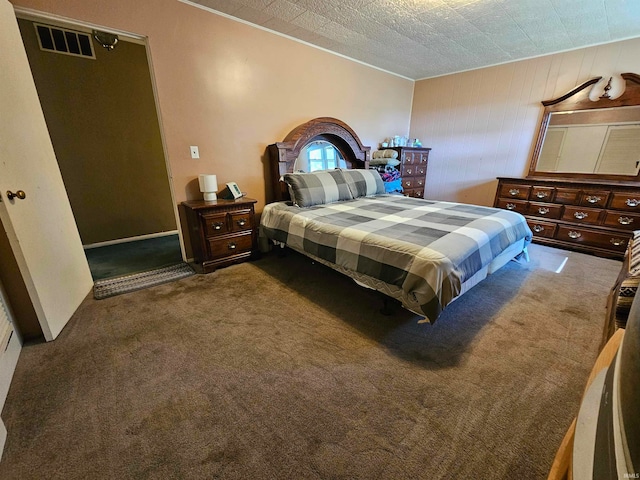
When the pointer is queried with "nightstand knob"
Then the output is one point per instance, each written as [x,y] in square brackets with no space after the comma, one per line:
[218,226]
[231,246]
[242,222]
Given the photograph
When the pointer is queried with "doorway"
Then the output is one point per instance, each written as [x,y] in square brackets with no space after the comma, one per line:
[100,108]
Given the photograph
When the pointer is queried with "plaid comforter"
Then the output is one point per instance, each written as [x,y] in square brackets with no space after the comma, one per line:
[426,248]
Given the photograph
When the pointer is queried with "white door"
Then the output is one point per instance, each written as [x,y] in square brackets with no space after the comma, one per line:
[41,227]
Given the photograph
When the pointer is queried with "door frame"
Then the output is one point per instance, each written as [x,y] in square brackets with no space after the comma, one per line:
[36,15]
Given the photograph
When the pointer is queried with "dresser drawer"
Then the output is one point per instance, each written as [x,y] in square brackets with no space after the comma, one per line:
[241,221]
[546,210]
[542,194]
[589,216]
[513,205]
[408,170]
[627,221]
[230,245]
[410,158]
[423,158]
[520,192]
[414,192]
[567,196]
[578,235]
[215,224]
[542,229]
[628,201]
[594,198]
[421,169]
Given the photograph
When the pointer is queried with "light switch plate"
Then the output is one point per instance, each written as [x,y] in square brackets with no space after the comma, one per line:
[195,153]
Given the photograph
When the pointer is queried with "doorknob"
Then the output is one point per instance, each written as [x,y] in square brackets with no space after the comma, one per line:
[19,194]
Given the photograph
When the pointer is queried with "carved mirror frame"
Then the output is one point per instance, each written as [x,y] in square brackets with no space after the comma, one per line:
[284,154]
[578,99]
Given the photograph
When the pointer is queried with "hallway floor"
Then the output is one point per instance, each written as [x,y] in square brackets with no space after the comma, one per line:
[133,257]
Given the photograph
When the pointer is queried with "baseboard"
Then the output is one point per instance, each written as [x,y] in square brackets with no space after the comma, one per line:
[8,362]
[130,239]
[3,437]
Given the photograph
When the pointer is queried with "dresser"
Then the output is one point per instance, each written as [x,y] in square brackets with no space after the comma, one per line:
[596,217]
[413,169]
[222,232]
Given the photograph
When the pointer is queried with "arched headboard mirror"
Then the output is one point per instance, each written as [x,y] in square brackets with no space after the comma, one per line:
[591,132]
[319,144]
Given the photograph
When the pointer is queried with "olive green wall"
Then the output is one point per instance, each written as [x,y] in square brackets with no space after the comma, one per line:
[103,123]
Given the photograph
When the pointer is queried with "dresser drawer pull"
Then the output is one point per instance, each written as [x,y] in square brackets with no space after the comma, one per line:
[632,202]
[231,245]
[617,242]
[409,171]
[543,210]
[593,199]
[408,184]
[510,206]
[242,222]
[217,225]
[514,192]
[573,234]
[542,194]
[625,221]
[580,215]
[538,228]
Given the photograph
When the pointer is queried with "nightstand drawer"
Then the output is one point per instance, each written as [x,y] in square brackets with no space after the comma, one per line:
[215,224]
[231,245]
[241,221]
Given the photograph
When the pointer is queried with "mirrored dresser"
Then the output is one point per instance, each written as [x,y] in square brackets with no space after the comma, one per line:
[583,188]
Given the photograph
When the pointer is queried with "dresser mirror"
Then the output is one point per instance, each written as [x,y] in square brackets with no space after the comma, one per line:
[591,138]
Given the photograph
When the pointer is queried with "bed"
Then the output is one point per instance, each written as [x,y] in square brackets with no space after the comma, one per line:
[423,253]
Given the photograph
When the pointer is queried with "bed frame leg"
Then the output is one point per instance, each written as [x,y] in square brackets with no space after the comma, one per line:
[386,306]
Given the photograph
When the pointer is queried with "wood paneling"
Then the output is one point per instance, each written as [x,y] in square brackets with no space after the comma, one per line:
[482,124]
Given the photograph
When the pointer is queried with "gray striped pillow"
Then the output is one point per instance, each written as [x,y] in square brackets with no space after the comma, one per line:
[364,183]
[308,189]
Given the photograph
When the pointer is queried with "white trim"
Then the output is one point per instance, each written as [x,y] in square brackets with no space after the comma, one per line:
[37,16]
[280,34]
[131,239]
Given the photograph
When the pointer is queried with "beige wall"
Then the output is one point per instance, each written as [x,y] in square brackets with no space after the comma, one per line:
[103,123]
[232,89]
[482,124]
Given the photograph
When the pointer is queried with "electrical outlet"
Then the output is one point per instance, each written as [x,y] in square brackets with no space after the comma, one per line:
[195,153]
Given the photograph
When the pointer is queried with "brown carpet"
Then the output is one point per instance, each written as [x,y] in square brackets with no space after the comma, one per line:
[283,369]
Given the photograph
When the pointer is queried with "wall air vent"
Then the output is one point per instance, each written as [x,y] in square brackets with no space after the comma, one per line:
[62,40]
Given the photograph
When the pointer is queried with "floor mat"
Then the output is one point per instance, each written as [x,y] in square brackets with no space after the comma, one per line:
[137,281]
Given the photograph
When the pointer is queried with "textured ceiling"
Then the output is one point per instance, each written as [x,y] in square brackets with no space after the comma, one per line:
[426,38]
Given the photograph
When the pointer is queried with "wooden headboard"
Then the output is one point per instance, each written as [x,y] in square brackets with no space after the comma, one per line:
[282,155]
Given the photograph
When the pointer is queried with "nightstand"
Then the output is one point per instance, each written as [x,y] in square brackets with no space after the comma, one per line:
[222,232]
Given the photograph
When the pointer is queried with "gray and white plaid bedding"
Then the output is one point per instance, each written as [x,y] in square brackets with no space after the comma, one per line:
[426,248]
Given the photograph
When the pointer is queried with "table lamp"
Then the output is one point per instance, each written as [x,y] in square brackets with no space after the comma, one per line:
[208,186]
